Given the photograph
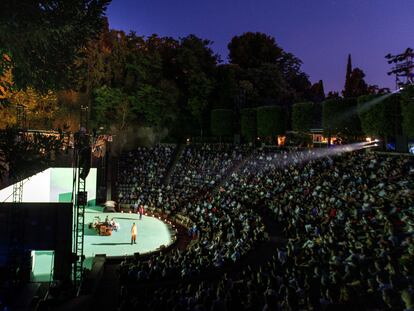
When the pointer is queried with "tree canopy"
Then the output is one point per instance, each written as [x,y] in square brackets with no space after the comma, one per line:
[274,74]
[43,38]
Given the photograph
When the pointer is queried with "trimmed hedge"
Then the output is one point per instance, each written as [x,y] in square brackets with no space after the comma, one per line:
[376,114]
[407,111]
[339,115]
[271,121]
[303,116]
[222,122]
[248,124]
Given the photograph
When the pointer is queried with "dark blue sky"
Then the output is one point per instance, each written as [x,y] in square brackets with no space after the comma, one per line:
[320,32]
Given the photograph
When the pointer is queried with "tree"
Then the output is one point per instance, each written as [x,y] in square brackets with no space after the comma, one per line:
[196,67]
[253,49]
[112,107]
[303,116]
[227,92]
[317,92]
[348,87]
[358,85]
[155,105]
[271,121]
[333,95]
[269,86]
[40,107]
[407,111]
[222,122]
[262,60]
[355,84]
[199,90]
[248,124]
[43,38]
[66,116]
[6,80]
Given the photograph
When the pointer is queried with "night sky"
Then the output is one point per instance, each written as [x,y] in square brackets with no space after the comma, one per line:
[320,32]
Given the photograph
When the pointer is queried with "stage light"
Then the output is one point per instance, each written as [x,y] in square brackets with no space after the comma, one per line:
[376,141]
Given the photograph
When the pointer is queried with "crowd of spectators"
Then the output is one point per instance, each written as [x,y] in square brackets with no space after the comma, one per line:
[225,229]
[142,170]
[348,220]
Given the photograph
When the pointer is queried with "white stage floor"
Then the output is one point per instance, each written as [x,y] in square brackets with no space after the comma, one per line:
[151,234]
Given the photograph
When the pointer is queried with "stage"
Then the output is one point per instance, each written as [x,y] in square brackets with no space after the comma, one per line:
[151,234]
[54,185]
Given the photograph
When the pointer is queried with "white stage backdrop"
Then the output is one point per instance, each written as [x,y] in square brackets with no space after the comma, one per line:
[49,185]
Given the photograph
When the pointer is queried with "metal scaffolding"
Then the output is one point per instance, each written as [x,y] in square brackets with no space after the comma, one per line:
[403,67]
[21,127]
[79,198]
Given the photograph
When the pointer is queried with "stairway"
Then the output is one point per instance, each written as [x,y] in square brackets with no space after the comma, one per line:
[174,160]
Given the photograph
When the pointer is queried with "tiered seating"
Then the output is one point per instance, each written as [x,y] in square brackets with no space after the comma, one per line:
[140,171]
[348,221]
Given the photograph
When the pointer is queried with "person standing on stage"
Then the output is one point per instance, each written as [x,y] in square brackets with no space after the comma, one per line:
[134,234]
[141,211]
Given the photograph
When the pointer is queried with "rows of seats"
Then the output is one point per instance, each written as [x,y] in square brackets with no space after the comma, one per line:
[225,229]
[141,169]
[348,221]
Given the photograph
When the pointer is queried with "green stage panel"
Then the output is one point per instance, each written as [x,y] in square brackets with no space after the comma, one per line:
[61,182]
[65,197]
[42,266]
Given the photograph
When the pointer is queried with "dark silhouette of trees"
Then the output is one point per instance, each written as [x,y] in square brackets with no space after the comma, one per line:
[355,84]
[43,38]
[317,92]
[274,74]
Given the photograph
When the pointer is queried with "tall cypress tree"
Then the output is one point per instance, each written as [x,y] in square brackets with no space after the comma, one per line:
[347,90]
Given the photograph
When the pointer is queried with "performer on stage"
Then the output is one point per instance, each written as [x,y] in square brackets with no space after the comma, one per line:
[141,211]
[134,234]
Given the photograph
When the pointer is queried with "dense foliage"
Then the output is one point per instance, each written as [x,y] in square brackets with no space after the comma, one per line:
[275,75]
[43,38]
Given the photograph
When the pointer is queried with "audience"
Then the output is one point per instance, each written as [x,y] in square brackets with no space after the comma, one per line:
[347,220]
